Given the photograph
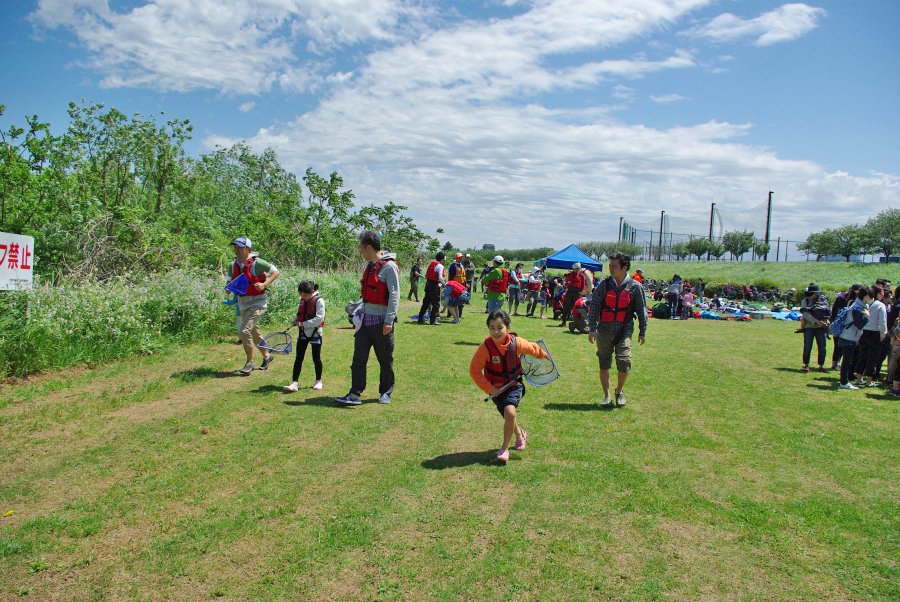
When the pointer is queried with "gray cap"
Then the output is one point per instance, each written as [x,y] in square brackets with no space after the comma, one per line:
[576,266]
[242,242]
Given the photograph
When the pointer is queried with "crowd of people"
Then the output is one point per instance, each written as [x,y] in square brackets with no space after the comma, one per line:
[864,321]
[495,367]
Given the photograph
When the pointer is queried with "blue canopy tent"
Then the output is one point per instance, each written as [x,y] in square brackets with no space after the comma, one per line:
[566,257]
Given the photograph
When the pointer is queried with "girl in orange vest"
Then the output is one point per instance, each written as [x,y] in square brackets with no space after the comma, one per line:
[496,369]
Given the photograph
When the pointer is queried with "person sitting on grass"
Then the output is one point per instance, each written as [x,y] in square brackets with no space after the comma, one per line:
[310,319]
[497,370]
[579,316]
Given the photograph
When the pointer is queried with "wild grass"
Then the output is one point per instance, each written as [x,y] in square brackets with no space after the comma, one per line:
[52,327]
[729,475]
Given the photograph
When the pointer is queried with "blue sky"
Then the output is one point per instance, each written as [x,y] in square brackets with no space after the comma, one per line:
[517,123]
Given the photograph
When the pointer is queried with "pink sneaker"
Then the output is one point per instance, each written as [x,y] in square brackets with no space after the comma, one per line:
[291,388]
[520,441]
[318,385]
[503,456]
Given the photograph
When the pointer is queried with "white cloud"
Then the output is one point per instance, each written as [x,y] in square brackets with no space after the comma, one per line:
[624,92]
[247,107]
[785,23]
[240,46]
[667,98]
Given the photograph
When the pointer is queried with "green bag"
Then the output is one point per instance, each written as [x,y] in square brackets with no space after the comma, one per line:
[661,310]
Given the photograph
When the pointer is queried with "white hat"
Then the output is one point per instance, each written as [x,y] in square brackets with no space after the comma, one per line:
[242,242]
[576,266]
[535,269]
[498,259]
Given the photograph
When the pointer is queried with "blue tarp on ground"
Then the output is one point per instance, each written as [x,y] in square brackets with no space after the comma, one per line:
[786,316]
[564,258]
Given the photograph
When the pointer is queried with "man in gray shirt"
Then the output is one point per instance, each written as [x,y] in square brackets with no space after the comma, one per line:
[381,299]
[616,300]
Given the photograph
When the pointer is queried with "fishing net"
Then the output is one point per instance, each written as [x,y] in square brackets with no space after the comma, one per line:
[276,342]
[539,371]
[238,286]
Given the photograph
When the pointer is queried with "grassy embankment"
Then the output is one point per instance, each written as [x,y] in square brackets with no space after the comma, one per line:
[729,475]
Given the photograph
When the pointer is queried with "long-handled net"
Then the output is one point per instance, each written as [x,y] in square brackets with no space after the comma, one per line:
[539,371]
[276,342]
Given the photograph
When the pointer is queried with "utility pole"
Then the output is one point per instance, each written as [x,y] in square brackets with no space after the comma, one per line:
[712,212]
[662,215]
[621,230]
[768,224]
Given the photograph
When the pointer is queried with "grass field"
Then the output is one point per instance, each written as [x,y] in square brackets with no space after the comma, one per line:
[831,276]
[730,475]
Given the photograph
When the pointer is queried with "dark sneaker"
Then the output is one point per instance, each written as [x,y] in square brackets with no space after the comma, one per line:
[350,399]
[620,399]
[266,362]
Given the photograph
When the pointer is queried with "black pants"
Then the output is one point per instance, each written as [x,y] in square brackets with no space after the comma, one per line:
[368,337]
[869,346]
[884,352]
[837,353]
[432,300]
[809,334]
[569,300]
[849,353]
[302,344]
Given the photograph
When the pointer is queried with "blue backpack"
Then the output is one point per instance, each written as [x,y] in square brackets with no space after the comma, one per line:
[837,327]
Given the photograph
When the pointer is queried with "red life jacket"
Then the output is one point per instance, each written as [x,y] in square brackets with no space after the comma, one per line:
[615,306]
[500,285]
[251,279]
[456,288]
[533,285]
[374,290]
[502,369]
[307,309]
[580,307]
[431,272]
[575,280]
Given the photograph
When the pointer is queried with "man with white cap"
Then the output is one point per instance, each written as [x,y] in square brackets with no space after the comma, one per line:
[470,273]
[253,303]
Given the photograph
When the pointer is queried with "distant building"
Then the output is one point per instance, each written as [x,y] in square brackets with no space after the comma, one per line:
[487,247]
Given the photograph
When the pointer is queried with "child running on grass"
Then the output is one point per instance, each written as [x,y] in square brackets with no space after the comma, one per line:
[310,318]
[496,369]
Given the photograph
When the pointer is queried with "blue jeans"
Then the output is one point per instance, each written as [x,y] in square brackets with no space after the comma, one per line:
[808,335]
[493,305]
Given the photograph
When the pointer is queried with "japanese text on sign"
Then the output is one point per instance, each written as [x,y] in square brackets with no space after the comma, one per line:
[16,261]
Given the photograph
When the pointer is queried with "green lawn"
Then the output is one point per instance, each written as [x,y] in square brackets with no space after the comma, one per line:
[832,276]
[730,475]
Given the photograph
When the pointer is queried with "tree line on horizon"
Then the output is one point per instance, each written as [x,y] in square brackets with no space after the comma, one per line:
[880,234]
[116,195]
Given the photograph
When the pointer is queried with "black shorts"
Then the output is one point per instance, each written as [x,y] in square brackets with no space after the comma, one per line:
[510,397]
